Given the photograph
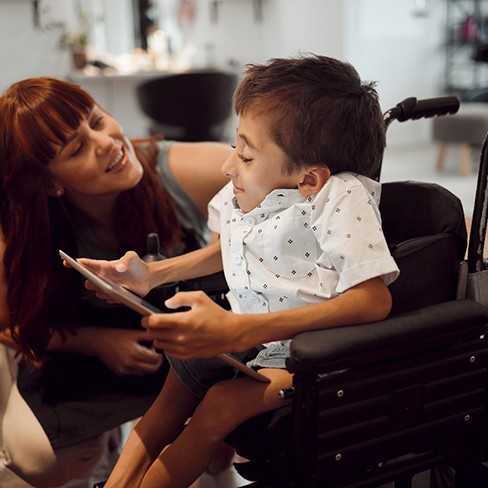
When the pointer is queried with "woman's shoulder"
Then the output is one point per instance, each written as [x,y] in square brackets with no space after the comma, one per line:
[196,166]
[149,148]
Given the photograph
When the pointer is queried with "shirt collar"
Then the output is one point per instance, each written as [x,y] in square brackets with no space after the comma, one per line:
[277,199]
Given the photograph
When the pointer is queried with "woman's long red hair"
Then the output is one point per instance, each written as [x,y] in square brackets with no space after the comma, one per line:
[35,115]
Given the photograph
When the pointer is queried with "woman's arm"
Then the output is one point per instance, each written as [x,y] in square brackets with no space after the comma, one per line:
[124,351]
[197,168]
[207,329]
[7,340]
[4,321]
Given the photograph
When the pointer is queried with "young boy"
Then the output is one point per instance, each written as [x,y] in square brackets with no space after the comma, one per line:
[301,246]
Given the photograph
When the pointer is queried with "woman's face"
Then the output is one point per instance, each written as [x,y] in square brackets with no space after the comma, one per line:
[97,160]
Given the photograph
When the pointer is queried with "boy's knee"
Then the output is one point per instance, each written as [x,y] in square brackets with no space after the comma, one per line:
[219,410]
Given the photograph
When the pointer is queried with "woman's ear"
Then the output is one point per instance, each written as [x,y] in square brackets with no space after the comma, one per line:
[55,191]
[313,180]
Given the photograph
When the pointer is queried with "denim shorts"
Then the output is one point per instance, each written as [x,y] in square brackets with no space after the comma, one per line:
[198,375]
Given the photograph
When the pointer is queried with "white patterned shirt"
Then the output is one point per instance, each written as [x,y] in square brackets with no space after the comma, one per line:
[292,250]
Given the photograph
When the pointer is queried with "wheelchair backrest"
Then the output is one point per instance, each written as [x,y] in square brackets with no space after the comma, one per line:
[425,228]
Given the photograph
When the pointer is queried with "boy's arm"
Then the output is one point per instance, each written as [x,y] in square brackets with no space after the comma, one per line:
[133,273]
[195,264]
[207,329]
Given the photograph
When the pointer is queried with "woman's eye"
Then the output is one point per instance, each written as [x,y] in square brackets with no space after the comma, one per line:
[98,121]
[77,151]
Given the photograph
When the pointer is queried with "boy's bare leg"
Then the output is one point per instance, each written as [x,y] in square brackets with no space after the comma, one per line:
[226,405]
[157,428]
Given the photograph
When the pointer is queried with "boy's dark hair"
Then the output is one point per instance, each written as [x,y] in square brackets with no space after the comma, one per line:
[321,112]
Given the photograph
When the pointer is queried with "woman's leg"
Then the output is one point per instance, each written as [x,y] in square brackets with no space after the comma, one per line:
[226,405]
[158,427]
[27,457]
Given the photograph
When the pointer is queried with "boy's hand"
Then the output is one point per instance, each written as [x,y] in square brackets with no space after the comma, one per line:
[204,331]
[129,271]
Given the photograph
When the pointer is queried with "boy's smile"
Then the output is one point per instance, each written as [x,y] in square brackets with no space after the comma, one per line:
[257,165]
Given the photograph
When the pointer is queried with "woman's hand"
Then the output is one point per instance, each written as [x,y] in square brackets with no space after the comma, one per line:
[129,271]
[126,352]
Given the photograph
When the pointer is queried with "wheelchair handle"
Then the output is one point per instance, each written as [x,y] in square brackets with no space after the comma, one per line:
[152,245]
[412,109]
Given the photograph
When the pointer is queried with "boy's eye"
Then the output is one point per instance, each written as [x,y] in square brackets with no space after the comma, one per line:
[243,159]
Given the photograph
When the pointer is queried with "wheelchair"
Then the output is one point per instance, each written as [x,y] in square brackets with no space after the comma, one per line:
[381,402]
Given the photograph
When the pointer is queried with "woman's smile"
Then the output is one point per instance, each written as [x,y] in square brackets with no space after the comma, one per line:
[119,161]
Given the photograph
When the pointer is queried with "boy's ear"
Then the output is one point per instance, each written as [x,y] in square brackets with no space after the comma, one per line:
[313,179]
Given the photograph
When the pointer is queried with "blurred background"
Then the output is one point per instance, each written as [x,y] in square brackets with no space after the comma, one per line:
[401,44]
[421,48]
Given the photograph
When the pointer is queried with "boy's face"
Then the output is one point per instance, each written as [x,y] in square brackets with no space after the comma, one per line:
[257,165]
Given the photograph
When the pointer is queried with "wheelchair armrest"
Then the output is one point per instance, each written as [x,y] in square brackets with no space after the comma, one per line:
[210,284]
[328,350]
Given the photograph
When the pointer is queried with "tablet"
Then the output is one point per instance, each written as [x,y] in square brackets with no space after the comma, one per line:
[135,302]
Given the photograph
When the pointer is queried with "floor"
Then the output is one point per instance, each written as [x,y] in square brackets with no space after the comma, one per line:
[418,163]
[227,479]
[230,479]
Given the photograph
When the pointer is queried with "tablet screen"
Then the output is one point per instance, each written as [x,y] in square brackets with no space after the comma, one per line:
[112,289]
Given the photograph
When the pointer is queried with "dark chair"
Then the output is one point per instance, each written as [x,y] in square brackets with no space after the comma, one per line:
[380,402]
[190,106]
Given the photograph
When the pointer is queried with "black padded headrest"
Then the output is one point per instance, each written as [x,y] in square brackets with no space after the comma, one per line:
[411,209]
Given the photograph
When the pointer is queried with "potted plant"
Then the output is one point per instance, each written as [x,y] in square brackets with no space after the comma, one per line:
[77,39]
[77,42]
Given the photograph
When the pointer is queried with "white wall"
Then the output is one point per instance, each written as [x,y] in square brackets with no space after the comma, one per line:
[26,52]
[384,39]
[403,49]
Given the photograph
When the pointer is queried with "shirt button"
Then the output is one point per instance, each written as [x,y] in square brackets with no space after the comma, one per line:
[250,221]
[237,259]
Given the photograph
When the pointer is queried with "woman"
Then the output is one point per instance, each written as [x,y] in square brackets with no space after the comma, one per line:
[72,180]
